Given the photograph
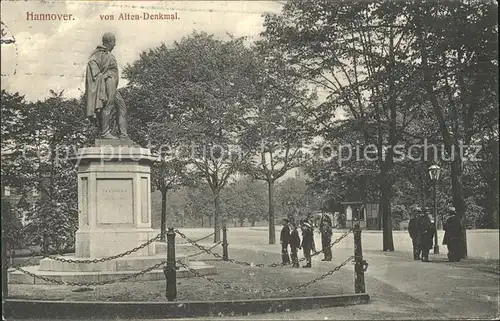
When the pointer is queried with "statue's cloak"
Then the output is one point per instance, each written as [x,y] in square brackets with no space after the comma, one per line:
[95,87]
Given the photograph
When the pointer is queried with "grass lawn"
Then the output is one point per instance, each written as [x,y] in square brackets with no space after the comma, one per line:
[199,289]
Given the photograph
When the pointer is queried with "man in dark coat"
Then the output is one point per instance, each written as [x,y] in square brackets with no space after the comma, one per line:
[325,227]
[427,233]
[414,230]
[453,235]
[307,242]
[294,245]
[285,240]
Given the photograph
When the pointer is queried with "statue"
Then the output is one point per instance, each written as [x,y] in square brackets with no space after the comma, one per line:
[101,95]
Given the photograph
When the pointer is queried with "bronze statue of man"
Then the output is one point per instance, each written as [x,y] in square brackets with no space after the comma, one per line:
[101,94]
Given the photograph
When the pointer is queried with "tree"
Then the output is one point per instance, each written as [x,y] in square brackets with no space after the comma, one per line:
[487,173]
[356,52]
[278,126]
[167,176]
[245,200]
[296,200]
[169,172]
[47,133]
[12,115]
[199,202]
[460,77]
[199,86]
[18,137]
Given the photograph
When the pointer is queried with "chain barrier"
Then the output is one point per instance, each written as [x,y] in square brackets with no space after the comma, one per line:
[267,290]
[315,253]
[205,237]
[340,238]
[87,284]
[27,262]
[260,265]
[208,250]
[203,251]
[99,260]
[321,277]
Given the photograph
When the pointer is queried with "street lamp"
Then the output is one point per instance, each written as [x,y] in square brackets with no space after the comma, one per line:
[434,172]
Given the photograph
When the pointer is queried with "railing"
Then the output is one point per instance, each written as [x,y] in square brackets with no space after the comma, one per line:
[170,265]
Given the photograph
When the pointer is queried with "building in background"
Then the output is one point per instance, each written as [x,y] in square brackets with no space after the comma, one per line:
[364,213]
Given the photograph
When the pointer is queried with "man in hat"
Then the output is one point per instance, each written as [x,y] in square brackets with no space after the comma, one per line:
[453,235]
[307,242]
[414,231]
[294,245]
[427,233]
[325,226]
[285,240]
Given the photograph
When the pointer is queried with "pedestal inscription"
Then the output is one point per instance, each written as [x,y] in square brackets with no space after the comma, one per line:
[115,203]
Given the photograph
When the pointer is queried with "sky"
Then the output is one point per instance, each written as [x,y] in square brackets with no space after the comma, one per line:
[53,54]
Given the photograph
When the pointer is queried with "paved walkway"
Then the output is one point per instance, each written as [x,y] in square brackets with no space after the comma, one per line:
[480,243]
[400,288]
[403,289]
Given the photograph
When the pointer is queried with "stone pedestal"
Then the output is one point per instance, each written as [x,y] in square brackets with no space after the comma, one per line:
[114,205]
[114,201]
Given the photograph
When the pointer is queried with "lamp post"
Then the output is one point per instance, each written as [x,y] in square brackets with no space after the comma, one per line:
[434,172]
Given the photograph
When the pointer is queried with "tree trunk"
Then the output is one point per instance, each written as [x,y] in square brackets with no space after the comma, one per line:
[217,221]
[458,196]
[387,165]
[385,211]
[423,188]
[163,223]
[202,221]
[449,138]
[493,186]
[379,218]
[272,230]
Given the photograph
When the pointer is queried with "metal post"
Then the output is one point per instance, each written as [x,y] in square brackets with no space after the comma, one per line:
[436,244]
[169,270]
[359,277]
[5,215]
[225,256]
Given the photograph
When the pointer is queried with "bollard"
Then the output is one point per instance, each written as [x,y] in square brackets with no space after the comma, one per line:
[169,270]
[359,265]
[225,256]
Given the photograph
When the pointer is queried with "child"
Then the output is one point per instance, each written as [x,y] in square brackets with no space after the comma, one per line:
[307,242]
[294,245]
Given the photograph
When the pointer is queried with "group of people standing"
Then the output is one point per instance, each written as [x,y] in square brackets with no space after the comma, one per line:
[422,230]
[290,237]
